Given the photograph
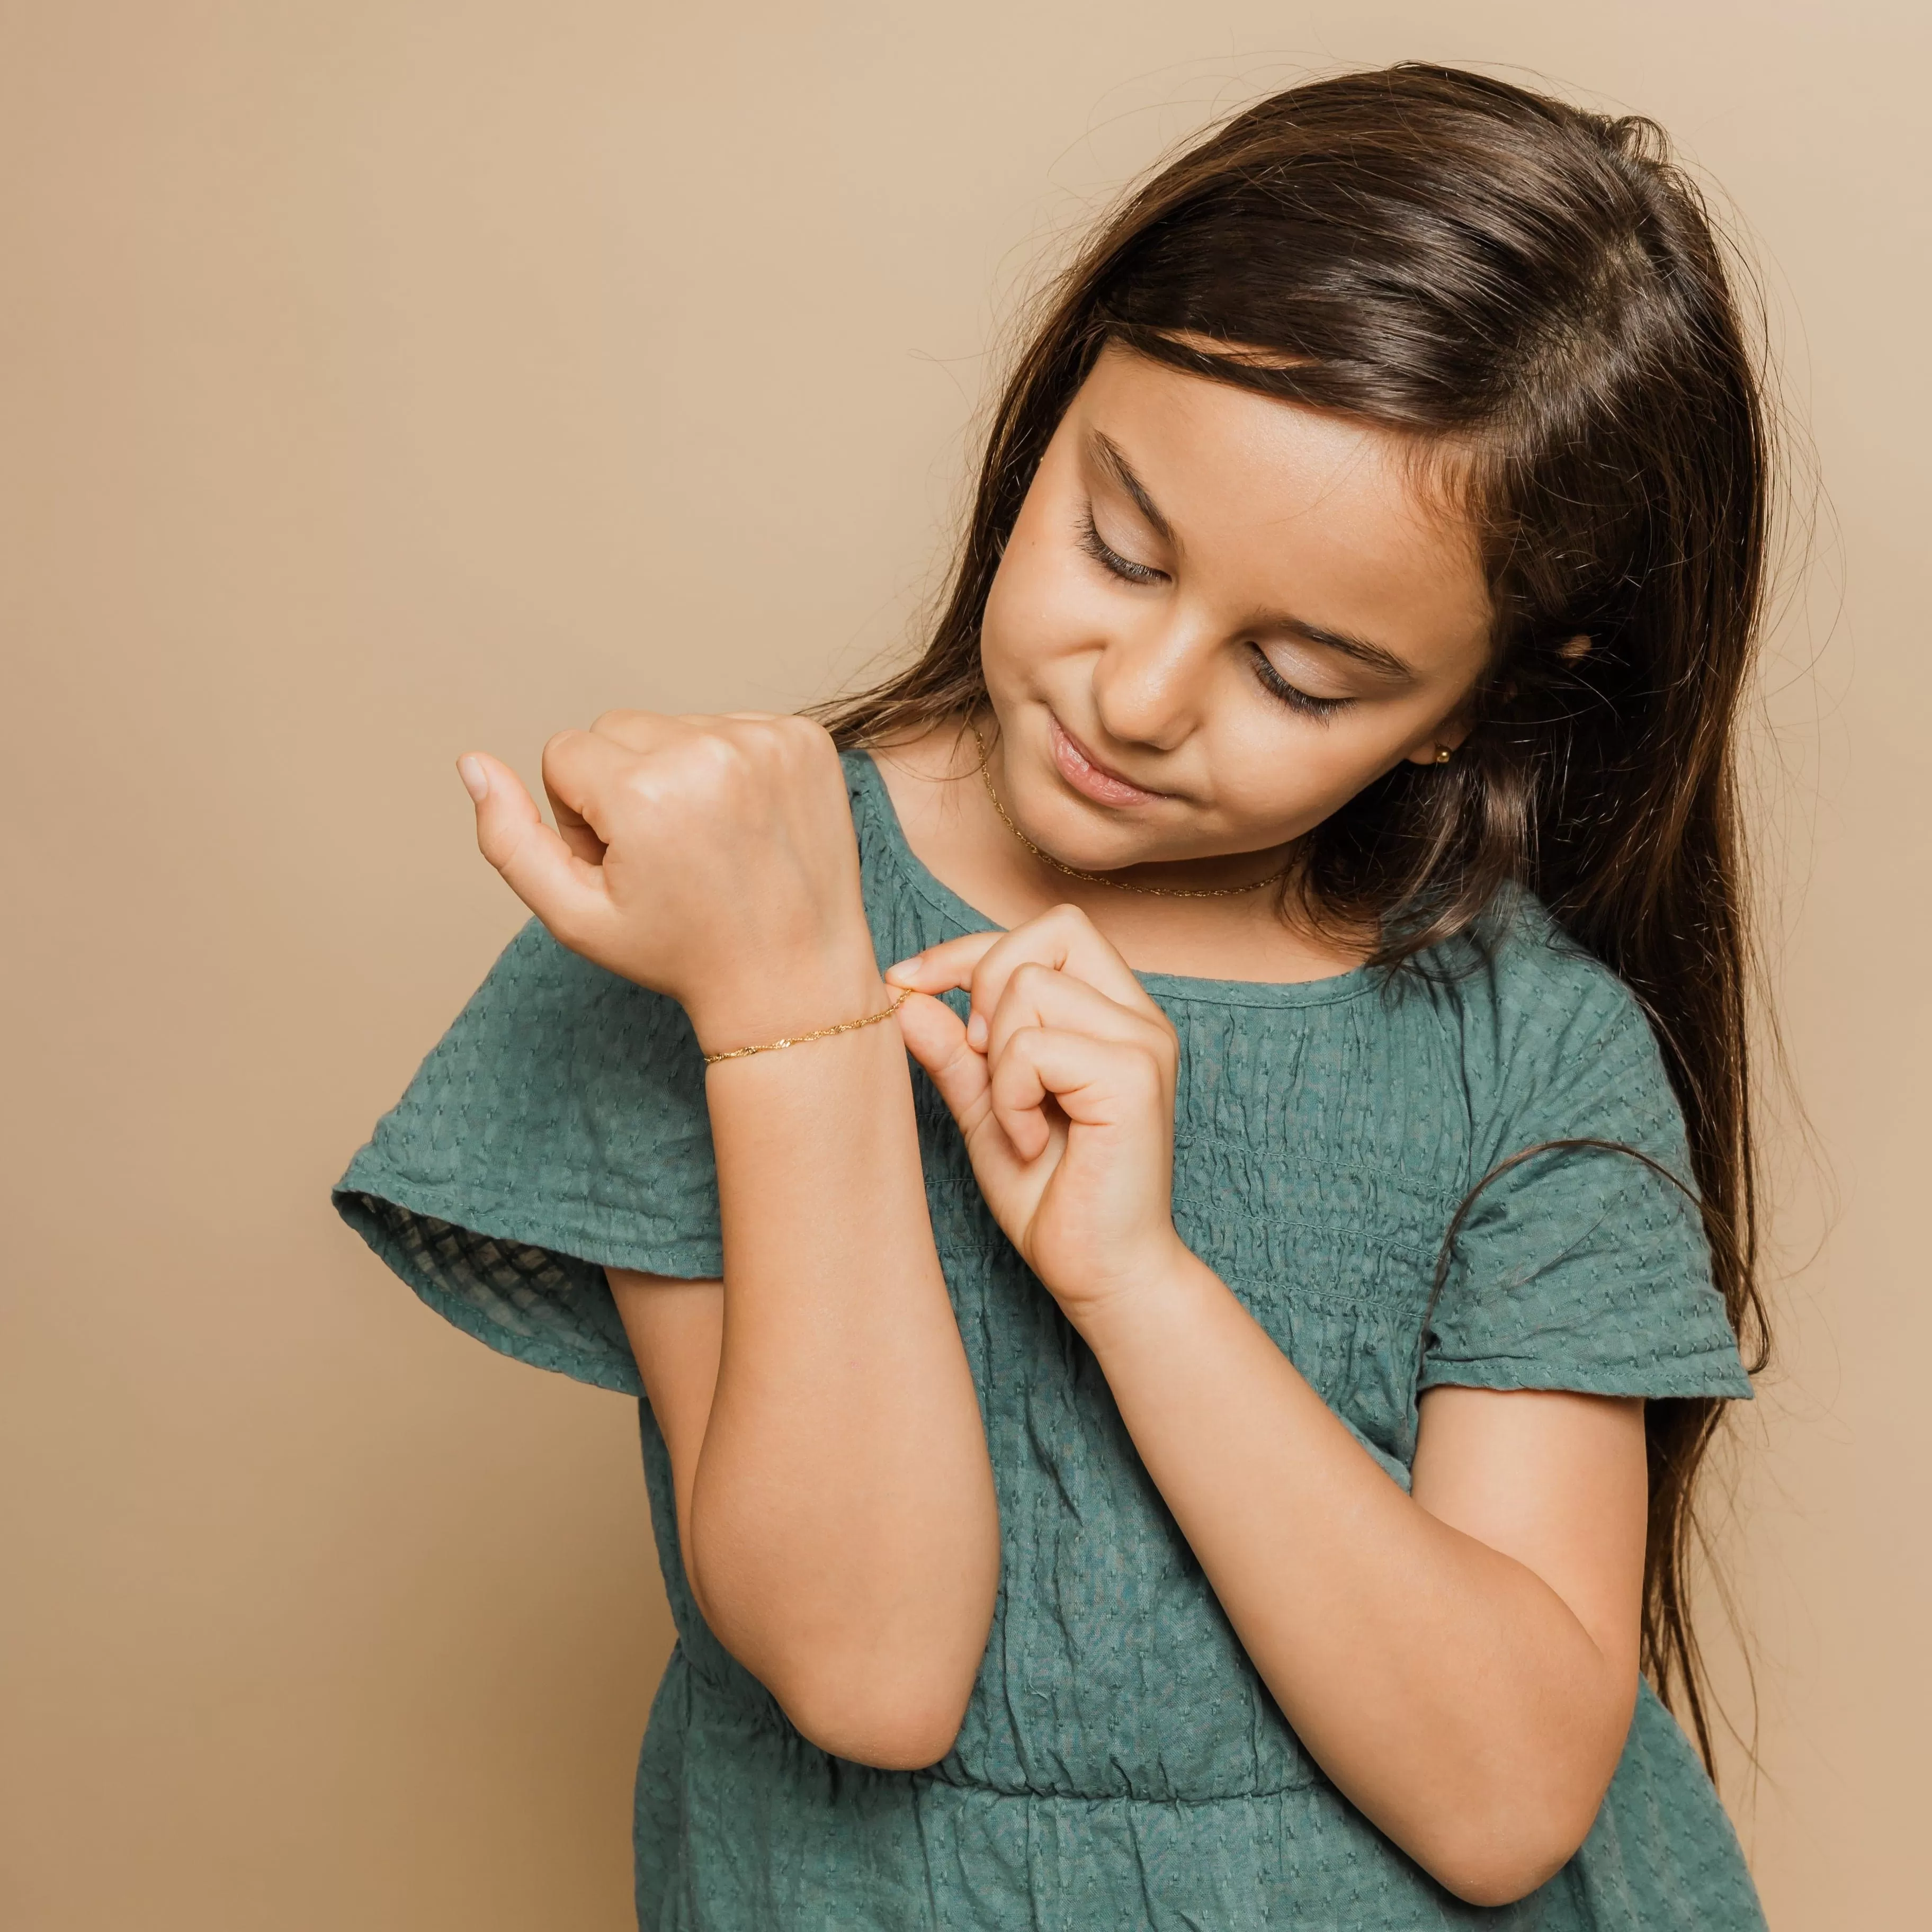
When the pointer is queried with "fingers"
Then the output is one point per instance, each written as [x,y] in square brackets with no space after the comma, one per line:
[563,890]
[582,772]
[1052,1001]
[640,731]
[940,968]
[1064,939]
[935,1036]
[1096,1083]
[645,730]
[1036,995]
[576,831]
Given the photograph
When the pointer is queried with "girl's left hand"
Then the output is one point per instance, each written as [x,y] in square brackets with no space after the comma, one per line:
[1062,1081]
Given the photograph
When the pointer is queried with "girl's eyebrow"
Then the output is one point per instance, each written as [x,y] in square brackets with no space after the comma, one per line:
[1371,657]
[1108,455]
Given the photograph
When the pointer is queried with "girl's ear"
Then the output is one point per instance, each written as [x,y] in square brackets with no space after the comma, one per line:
[1446,740]
[1442,744]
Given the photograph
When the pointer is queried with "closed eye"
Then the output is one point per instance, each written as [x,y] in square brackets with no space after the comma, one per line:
[1271,680]
[1290,694]
[1110,559]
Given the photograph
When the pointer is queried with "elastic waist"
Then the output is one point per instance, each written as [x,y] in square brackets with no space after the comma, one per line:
[748,1716]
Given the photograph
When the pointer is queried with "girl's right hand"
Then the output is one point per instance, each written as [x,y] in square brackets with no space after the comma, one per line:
[712,858]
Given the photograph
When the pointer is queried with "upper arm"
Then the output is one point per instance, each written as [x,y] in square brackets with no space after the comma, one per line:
[676,1329]
[1556,1481]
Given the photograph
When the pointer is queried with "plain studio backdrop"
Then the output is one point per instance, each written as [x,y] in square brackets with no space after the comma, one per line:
[380,378]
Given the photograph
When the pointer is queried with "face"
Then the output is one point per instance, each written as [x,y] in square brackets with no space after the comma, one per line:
[1218,617]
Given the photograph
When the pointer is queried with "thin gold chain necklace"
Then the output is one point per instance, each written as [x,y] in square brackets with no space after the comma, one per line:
[1101,878]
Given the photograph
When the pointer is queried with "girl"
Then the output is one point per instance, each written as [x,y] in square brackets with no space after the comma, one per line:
[1214,1446]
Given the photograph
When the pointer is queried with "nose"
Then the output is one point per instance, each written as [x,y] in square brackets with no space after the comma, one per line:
[1149,686]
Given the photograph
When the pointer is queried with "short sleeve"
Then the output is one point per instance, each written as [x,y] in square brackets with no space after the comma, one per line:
[559,1127]
[1583,1267]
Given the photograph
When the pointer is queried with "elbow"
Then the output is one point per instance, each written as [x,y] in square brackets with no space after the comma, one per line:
[884,1684]
[1492,1881]
[905,1724]
[1500,1859]
[1510,1819]
[893,1707]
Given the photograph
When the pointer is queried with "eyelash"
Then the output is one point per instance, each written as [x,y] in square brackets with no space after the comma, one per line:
[1320,708]
[1271,680]
[1110,559]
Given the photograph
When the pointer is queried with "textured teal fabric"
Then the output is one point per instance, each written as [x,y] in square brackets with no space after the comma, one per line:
[1121,1765]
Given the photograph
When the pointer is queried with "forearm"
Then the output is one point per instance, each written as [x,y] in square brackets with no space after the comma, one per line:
[842,1536]
[1450,1692]
[838,1515]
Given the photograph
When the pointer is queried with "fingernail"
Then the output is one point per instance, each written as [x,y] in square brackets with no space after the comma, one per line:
[976,1033]
[909,967]
[475,779]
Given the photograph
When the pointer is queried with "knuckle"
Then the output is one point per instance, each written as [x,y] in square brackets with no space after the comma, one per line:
[802,743]
[960,1058]
[712,760]
[637,784]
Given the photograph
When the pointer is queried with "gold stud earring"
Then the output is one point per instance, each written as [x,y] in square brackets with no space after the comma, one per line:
[1443,754]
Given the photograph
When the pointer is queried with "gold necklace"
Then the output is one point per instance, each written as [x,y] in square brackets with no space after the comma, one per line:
[1101,878]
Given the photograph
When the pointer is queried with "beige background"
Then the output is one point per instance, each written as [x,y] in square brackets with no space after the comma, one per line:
[380,377]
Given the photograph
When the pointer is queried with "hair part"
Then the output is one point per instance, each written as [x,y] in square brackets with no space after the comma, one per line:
[1537,295]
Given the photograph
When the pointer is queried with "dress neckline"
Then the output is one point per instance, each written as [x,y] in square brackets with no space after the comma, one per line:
[1164,986]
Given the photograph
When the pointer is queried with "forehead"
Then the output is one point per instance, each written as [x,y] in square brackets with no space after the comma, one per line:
[1287,505]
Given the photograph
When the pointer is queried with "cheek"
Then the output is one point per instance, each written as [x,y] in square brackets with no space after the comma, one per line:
[1040,604]
[1290,776]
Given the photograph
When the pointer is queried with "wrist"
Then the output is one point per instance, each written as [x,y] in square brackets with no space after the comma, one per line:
[1116,1308]
[785,999]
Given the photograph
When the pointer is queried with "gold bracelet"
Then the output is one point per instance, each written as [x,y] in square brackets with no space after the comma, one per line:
[802,1039]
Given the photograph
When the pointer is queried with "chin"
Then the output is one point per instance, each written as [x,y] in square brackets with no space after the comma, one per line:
[1090,837]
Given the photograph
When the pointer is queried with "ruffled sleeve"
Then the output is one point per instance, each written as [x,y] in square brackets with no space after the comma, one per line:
[559,1127]
[1582,1267]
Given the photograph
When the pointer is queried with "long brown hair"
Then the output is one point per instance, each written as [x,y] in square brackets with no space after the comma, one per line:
[1540,292]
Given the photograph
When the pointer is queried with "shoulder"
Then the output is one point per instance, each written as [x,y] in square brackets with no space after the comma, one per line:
[1553,993]
[927,763]
[874,821]
[902,792]
[1554,1043]
[862,776]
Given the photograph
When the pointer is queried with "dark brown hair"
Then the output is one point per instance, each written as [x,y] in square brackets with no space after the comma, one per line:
[1539,293]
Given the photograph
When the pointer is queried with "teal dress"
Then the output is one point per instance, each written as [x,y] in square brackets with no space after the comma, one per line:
[1121,1765]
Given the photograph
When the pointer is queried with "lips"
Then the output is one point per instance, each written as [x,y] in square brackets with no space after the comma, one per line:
[1089,778]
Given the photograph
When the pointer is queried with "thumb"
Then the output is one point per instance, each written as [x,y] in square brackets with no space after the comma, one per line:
[935,1036]
[566,892]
